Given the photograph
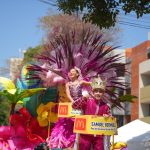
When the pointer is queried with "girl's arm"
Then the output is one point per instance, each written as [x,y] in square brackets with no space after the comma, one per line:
[68,92]
[86,83]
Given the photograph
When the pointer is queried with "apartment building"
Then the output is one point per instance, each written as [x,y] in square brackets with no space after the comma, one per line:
[139,58]
[144,89]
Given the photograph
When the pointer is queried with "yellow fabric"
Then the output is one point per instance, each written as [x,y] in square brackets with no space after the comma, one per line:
[119,145]
[46,114]
[62,94]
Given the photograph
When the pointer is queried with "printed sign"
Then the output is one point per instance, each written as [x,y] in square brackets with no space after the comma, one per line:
[80,124]
[65,110]
[91,124]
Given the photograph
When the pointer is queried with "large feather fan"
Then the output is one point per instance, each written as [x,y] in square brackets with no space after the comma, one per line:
[92,55]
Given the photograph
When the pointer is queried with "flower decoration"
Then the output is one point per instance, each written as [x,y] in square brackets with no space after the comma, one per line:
[47,113]
[4,145]
[24,132]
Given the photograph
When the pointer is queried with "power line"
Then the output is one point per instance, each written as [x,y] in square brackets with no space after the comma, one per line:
[132,20]
[133,25]
[129,18]
[134,15]
[48,2]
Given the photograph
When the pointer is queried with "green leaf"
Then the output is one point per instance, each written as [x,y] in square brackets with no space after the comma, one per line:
[10,97]
[127,98]
[28,92]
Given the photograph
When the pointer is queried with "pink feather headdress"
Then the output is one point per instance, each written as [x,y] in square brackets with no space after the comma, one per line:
[92,56]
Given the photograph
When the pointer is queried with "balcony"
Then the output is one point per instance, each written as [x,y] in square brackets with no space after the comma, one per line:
[144,67]
[145,94]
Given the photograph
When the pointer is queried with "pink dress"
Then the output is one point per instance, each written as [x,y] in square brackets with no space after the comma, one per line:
[92,107]
[62,135]
[76,94]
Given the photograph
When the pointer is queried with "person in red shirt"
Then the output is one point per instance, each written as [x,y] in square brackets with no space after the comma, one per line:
[95,106]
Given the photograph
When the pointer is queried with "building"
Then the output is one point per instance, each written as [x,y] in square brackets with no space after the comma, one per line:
[139,58]
[15,64]
[144,89]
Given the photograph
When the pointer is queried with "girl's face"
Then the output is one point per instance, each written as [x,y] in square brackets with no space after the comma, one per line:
[98,93]
[73,74]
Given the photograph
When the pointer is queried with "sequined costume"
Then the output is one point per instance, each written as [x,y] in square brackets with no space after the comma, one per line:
[75,91]
[62,135]
[76,94]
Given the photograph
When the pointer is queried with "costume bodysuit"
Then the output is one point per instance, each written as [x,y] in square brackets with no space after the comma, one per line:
[62,135]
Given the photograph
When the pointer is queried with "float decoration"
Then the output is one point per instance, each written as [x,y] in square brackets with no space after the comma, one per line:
[14,94]
[92,56]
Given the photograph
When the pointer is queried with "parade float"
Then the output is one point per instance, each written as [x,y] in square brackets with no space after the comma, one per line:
[46,117]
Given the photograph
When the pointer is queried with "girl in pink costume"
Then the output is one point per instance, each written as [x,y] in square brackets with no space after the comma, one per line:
[94,106]
[62,135]
[74,88]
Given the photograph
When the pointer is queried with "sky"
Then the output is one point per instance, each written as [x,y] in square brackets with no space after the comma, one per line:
[19,28]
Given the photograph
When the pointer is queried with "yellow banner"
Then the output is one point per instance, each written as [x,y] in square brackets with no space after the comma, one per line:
[90,124]
[65,110]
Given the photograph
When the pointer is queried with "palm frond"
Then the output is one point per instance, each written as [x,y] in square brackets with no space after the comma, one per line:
[127,98]
[27,93]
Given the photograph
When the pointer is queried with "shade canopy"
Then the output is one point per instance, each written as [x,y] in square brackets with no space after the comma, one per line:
[136,134]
